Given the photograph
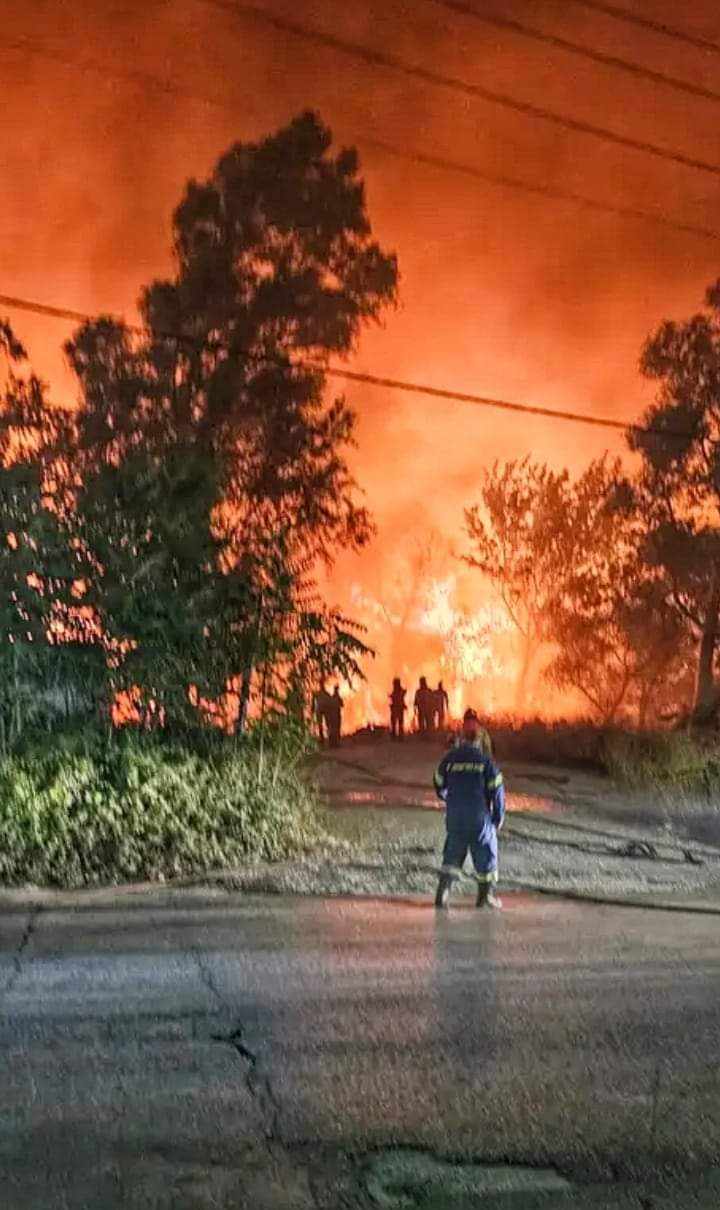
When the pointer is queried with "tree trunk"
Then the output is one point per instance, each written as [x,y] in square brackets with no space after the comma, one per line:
[244,699]
[612,711]
[706,693]
[247,673]
[521,685]
[648,686]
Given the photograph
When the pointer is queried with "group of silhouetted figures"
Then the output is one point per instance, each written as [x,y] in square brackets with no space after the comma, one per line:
[430,707]
[328,715]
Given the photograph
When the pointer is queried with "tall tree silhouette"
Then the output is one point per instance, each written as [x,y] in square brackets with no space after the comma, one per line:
[276,270]
[678,488]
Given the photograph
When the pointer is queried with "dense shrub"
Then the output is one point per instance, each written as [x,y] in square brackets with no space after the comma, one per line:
[633,758]
[88,810]
[557,742]
[672,758]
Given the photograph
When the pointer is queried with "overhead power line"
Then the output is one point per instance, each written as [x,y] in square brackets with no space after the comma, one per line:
[427,159]
[38,308]
[548,191]
[85,63]
[528,409]
[657,27]
[395,384]
[578,48]
[504,100]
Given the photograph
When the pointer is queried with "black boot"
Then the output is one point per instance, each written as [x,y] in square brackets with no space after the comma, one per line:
[442,895]
[486,896]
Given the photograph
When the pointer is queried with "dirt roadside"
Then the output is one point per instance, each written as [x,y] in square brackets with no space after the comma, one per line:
[567,831]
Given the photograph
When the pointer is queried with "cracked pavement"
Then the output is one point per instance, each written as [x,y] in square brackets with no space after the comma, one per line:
[226,1051]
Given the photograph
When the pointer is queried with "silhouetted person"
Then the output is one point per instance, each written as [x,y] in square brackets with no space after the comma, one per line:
[423,707]
[334,718]
[323,710]
[441,704]
[397,709]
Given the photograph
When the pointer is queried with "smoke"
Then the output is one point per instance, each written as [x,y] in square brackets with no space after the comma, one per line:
[502,293]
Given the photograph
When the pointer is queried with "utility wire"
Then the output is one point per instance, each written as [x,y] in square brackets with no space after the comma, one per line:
[149,80]
[578,48]
[504,100]
[395,384]
[505,405]
[28,46]
[657,27]
[38,308]
[548,191]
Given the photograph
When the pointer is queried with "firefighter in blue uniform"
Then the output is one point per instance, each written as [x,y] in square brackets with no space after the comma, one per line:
[471,785]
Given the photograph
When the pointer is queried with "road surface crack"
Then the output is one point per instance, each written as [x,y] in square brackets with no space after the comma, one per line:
[17,963]
[208,979]
[257,1081]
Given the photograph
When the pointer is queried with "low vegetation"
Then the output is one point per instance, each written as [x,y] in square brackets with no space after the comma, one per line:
[577,744]
[87,811]
[634,758]
[675,759]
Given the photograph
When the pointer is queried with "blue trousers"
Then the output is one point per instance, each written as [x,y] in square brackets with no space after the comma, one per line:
[481,840]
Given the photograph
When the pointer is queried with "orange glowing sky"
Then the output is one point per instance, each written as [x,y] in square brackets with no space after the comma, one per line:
[502,293]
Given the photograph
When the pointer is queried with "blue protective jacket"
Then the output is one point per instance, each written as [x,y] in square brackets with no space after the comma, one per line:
[472,786]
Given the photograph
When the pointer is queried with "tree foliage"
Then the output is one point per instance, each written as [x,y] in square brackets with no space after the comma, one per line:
[276,269]
[204,474]
[566,557]
[522,539]
[678,488]
[616,639]
[49,661]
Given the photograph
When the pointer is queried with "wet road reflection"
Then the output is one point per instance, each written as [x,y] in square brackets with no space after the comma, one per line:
[554,1033]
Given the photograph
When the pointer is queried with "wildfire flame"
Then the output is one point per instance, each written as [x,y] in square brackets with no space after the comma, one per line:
[444,638]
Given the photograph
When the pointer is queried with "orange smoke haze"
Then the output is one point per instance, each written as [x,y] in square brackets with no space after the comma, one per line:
[502,293]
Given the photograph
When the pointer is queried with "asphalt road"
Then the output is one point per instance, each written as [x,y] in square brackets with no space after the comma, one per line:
[221,1052]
